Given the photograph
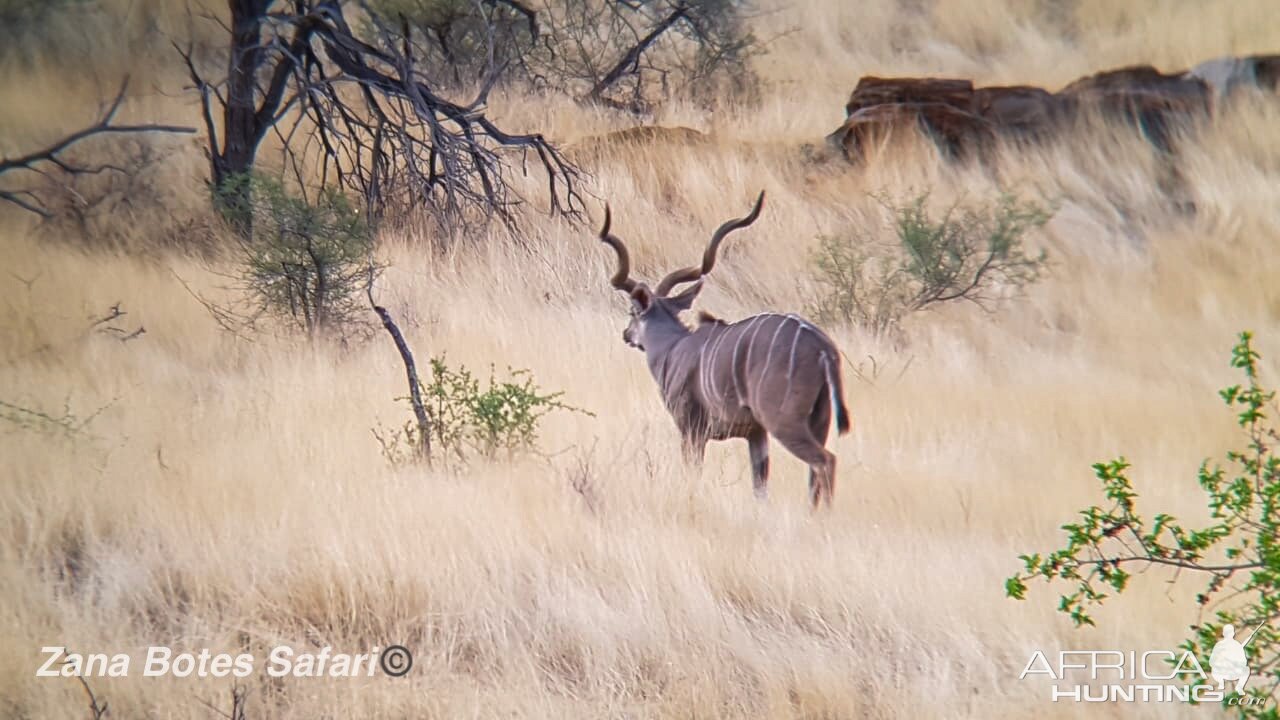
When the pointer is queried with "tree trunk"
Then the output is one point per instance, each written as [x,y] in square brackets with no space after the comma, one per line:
[240,135]
[272,66]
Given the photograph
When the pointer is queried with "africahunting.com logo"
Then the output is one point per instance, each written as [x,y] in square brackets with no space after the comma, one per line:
[1118,676]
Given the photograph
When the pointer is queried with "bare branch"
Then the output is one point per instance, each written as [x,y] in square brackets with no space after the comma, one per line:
[52,155]
[397,141]
[632,57]
[96,711]
[206,112]
[410,369]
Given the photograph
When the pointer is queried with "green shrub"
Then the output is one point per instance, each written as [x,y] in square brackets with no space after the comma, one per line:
[306,262]
[969,253]
[1237,554]
[464,418]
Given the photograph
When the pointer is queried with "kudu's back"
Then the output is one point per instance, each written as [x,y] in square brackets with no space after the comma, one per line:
[778,371]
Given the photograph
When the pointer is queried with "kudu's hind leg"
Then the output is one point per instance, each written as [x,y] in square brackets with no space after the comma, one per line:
[758,445]
[822,481]
[820,425]
[822,464]
[822,484]
[829,478]
[824,478]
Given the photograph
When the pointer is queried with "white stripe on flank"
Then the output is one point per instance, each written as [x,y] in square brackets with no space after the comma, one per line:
[710,368]
[769,357]
[791,364]
[825,361]
[807,325]
[715,353]
[706,373]
[751,344]
[702,369]
[736,347]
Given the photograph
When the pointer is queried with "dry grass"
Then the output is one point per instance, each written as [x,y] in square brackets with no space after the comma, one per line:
[230,494]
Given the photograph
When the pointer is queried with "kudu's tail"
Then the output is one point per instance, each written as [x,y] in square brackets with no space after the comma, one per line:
[831,366]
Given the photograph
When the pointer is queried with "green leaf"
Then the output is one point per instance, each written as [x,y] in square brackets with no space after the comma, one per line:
[1015,588]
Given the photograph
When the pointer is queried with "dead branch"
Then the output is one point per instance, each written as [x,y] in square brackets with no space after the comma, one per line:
[113,313]
[631,59]
[96,711]
[411,373]
[37,161]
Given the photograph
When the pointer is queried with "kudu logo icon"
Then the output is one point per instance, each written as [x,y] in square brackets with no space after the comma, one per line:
[1228,659]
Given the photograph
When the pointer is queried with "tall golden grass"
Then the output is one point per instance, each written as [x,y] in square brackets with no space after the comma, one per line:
[229,494]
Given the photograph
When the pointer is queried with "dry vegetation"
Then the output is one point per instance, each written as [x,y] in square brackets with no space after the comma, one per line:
[229,493]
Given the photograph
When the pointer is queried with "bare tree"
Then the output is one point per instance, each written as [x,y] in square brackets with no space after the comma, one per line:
[624,54]
[458,35]
[621,53]
[52,161]
[359,108]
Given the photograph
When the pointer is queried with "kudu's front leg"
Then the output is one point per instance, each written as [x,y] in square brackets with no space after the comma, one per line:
[693,447]
[758,446]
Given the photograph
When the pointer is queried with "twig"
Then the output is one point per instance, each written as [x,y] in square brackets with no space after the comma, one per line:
[51,155]
[632,57]
[410,369]
[96,711]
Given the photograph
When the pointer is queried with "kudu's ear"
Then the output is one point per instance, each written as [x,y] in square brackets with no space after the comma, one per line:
[684,300]
[642,297]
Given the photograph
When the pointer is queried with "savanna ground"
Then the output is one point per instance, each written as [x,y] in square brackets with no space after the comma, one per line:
[230,494]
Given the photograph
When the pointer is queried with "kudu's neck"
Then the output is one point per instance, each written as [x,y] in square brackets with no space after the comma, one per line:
[661,335]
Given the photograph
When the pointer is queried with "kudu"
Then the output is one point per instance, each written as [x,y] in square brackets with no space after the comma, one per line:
[769,374]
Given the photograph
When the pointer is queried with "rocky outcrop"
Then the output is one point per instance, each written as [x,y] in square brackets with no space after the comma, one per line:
[1143,98]
[964,121]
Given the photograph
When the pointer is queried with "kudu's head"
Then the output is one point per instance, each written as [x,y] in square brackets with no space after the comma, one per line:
[656,310]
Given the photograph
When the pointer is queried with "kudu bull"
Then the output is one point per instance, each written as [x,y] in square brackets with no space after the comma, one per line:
[769,374]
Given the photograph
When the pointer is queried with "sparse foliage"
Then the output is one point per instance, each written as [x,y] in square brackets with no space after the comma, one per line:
[626,55]
[307,262]
[690,48]
[975,254]
[133,206]
[66,424]
[467,418]
[1237,553]
[460,35]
